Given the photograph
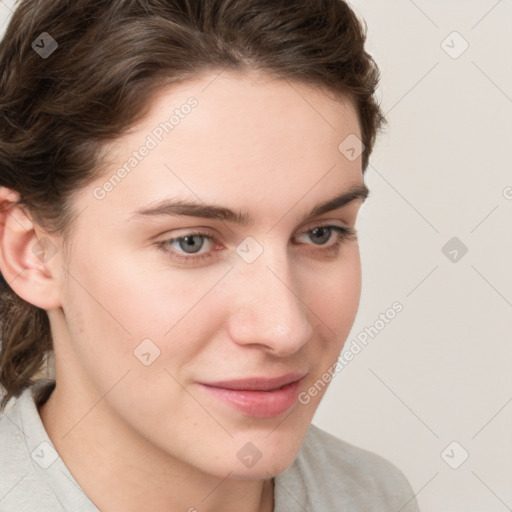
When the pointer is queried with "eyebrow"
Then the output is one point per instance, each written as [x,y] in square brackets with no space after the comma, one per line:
[176,207]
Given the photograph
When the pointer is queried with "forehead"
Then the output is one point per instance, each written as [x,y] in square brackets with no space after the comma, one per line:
[230,135]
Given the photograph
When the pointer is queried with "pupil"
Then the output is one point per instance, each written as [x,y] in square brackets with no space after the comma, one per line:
[326,231]
[190,243]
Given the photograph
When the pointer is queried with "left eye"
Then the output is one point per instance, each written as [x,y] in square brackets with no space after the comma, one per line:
[188,247]
[322,231]
[191,243]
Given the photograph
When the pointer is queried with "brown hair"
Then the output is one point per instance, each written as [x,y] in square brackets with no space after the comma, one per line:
[57,111]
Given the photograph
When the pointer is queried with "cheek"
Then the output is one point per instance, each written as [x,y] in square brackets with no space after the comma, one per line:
[108,310]
[335,307]
[114,305]
[99,324]
[334,295]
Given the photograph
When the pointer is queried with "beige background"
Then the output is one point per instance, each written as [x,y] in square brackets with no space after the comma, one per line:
[440,371]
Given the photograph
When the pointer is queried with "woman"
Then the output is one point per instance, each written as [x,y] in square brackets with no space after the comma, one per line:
[131,132]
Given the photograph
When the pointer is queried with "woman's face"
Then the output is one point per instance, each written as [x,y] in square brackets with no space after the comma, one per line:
[150,318]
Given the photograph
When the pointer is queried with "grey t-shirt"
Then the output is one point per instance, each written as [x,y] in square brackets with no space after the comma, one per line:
[328,474]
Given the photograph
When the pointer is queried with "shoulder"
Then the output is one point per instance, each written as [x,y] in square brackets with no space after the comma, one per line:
[337,473]
[360,466]
[21,487]
[12,437]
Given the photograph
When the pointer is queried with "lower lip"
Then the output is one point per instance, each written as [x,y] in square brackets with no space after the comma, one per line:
[259,404]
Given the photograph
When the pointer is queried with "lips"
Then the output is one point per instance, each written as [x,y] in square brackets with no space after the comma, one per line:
[257,383]
[259,397]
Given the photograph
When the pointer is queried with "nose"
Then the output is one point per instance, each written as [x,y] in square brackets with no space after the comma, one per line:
[266,306]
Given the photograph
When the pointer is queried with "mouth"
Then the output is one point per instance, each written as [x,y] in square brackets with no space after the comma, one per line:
[259,397]
[257,383]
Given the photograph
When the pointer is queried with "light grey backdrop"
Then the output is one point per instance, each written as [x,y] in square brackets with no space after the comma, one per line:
[431,389]
[440,371]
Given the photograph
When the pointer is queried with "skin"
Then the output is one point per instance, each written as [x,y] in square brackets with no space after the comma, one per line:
[254,144]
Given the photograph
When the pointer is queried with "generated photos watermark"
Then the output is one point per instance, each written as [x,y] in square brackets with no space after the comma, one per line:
[156,136]
[350,351]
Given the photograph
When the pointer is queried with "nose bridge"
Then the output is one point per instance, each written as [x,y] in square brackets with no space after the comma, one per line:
[268,307]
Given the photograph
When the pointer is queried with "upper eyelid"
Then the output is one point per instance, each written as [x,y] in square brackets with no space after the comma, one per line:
[206,231]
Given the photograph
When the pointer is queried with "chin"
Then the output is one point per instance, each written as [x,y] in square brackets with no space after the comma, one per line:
[263,458]
[262,470]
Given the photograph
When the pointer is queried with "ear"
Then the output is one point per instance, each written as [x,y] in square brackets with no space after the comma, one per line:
[26,255]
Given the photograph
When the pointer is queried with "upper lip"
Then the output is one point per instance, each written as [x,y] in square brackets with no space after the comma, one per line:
[257,383]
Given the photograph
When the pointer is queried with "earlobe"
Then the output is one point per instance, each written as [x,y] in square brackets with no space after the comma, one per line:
[26,258]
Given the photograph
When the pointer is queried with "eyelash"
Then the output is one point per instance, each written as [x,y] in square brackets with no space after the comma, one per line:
[343,234]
